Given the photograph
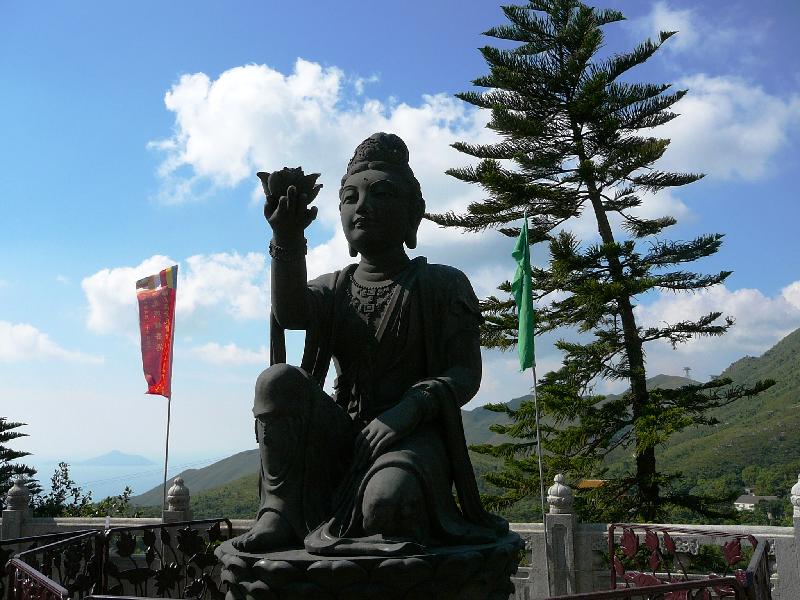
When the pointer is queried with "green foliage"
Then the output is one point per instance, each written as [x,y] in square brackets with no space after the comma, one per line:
[67,499]
[235,500]
[9,469]
[572,139]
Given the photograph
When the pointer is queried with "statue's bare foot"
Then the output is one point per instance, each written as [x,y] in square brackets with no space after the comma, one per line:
[270,532]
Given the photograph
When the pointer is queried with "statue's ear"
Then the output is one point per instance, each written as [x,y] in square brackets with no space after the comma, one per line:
[353,251]
[411,234]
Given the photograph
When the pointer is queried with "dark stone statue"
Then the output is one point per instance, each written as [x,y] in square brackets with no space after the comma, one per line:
[369,471]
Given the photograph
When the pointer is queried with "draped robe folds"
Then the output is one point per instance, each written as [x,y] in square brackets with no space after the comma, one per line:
[431,305]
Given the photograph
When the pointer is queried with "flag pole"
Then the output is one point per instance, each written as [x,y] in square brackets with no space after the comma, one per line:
[166,455]
[538,442]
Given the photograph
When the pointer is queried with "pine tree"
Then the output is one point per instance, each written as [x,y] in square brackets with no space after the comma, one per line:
[573,138]
[8,469]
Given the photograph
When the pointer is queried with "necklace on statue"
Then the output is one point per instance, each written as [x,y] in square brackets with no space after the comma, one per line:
[370,301]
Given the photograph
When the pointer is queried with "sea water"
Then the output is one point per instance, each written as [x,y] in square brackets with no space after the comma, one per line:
[111,480]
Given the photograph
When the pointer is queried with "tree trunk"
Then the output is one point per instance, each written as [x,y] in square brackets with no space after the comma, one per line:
[645,455]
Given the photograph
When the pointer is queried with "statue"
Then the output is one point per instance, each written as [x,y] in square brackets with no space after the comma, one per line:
[370,470]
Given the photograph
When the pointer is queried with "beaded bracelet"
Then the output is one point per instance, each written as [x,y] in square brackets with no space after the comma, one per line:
[284,254]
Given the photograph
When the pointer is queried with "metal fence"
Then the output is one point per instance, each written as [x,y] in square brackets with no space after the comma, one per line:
[173,560]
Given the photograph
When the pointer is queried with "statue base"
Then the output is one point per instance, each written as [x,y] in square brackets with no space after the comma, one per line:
[479,572]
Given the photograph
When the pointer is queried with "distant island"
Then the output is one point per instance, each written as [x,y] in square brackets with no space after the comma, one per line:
[115,458]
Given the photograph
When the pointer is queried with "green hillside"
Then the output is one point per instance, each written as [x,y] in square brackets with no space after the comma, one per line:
[760,433]
[198,480]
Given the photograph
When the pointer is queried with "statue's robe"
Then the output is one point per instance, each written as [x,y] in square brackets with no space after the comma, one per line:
[432,307]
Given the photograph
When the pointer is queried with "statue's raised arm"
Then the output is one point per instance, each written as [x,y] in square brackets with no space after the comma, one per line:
[288,195]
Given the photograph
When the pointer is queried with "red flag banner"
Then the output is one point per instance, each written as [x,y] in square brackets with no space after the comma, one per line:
[156,296]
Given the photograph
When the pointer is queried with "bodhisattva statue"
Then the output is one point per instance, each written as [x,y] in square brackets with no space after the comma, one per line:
[370,470]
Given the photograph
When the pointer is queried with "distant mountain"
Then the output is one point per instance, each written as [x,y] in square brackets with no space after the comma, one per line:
[199,480]
[115,458]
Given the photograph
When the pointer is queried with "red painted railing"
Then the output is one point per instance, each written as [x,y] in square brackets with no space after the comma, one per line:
[26,583]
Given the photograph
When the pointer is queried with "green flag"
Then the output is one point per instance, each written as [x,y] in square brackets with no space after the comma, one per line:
[521,288]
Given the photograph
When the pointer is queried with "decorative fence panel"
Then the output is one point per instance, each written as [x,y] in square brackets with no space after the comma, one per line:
[173,560]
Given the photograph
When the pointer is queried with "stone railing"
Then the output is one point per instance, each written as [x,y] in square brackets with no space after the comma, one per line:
[562,556]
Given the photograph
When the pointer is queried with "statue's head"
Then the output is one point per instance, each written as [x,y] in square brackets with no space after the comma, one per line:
[380,199]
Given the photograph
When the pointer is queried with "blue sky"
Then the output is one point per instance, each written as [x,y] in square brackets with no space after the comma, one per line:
[132,132]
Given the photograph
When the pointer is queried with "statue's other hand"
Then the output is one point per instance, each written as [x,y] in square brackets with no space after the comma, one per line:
[383,431]
[290,214]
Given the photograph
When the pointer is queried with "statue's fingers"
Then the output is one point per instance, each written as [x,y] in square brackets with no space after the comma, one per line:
[283,206]
[293,202]
[380,447]
[311,214]
[314,193]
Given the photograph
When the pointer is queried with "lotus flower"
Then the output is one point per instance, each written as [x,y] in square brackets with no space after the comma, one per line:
[277,183]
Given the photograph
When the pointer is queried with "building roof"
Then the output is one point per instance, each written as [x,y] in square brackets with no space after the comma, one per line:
[751,499]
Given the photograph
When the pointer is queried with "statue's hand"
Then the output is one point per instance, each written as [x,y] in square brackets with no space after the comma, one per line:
[384,430]
[289,213]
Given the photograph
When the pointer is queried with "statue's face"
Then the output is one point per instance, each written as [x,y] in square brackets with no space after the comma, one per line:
[374,206]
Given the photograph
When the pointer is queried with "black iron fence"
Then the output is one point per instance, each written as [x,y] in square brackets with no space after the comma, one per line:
[174,560]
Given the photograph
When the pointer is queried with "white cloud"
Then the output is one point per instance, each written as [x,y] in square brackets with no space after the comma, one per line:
[761,321]
[63,280]
[24,342]
[235,283]
[698,35]
[359,83]
[728,128]
[663,18]
[254,118]
[230,354]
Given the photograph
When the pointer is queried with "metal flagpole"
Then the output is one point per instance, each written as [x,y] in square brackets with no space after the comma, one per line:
[166,455]
[541,474]
[538,442]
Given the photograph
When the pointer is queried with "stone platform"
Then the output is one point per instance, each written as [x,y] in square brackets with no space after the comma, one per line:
[480,572]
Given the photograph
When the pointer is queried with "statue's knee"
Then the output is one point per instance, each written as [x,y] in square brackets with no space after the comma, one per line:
[393,503]
[280,389]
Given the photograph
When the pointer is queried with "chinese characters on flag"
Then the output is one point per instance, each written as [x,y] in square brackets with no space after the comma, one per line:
[156,296]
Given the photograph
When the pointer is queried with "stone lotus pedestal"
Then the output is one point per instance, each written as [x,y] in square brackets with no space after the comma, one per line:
[480,572]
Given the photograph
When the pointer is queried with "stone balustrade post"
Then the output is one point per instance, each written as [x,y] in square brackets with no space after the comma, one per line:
[178,501]
[16,511]
[560,527]
[794,496]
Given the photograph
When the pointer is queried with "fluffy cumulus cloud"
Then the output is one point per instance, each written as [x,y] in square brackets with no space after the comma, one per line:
[230,354]
[254,118]
[761,321]
[236,284]
[728,128]
[24,342]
